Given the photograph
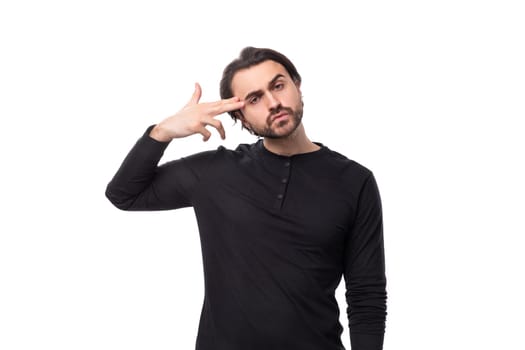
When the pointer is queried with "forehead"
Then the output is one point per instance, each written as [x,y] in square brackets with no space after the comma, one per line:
[256,77]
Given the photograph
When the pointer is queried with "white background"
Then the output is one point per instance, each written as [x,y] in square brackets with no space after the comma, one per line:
[427,94]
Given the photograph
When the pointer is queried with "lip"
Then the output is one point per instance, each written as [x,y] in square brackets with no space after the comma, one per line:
[280,115]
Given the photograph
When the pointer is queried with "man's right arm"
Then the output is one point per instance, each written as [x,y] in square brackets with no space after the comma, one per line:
[140,184]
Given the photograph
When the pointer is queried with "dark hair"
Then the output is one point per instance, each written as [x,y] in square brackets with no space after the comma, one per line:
[251,56]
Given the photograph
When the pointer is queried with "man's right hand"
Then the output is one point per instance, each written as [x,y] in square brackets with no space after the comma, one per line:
[194,117]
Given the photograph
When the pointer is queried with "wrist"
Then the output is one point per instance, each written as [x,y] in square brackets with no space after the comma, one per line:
[159,134]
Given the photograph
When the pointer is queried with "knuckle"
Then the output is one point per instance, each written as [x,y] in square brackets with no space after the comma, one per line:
[195,125]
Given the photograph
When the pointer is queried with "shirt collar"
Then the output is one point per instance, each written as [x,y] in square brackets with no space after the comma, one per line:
[264,152]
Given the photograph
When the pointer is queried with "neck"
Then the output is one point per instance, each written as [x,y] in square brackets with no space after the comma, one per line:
[295,143]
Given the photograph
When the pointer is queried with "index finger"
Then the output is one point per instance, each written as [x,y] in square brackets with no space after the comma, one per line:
[227,106]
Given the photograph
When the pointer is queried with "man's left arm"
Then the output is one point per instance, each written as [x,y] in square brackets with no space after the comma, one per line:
[364,271]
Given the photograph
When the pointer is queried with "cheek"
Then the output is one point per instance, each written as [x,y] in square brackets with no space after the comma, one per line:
[255,112]
[292,98]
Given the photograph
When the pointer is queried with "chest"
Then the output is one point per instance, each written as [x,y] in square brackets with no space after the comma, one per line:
[288,205]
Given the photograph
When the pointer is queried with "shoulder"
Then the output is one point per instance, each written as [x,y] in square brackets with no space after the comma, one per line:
[220,155]
[345,166]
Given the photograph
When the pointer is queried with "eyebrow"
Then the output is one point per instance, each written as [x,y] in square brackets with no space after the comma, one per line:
[259,92]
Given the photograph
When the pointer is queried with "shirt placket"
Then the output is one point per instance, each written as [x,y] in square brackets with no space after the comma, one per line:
[283,183]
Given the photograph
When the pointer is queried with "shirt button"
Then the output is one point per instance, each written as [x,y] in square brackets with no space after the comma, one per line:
[287,164]
[280,196]
[285,180]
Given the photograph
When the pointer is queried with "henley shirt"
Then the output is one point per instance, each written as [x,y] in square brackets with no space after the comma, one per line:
[277,234]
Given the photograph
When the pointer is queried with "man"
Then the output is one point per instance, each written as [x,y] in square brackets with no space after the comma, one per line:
[280,220]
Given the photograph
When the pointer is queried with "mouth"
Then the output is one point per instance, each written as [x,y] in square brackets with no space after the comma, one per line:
[278,116]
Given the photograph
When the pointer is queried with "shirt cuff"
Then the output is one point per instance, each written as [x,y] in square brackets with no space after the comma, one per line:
[148,131]
[148,149]
[361,341]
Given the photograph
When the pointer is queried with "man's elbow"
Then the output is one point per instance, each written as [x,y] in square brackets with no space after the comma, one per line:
[118,201]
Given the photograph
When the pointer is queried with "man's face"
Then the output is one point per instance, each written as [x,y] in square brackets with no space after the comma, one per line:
[274,107]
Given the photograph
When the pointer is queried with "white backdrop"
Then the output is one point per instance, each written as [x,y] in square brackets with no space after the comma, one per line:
[428,95]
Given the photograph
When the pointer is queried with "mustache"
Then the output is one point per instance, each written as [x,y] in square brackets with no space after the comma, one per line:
[278,110]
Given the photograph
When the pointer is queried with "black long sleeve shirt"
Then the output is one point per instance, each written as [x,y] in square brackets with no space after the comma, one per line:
[277,234]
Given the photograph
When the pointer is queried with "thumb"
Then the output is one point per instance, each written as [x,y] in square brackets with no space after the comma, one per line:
[196,95]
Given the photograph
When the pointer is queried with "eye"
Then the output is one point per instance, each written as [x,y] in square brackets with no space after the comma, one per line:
[279,86]
[253,100]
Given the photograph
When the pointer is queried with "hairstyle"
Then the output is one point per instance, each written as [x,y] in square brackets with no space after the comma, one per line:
[251,56]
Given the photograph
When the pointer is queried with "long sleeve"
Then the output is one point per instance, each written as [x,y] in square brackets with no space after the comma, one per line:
[365,272]
[139,184]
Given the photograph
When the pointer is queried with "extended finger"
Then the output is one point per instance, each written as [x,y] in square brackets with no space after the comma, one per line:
[225,101]
[226,106]
[196,95]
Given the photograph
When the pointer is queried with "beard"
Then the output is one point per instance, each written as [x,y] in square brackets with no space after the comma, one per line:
[281,128]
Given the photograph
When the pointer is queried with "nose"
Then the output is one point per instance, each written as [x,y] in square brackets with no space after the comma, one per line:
[273,102]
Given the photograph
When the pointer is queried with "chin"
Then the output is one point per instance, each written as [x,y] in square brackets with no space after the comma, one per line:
[284,132]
